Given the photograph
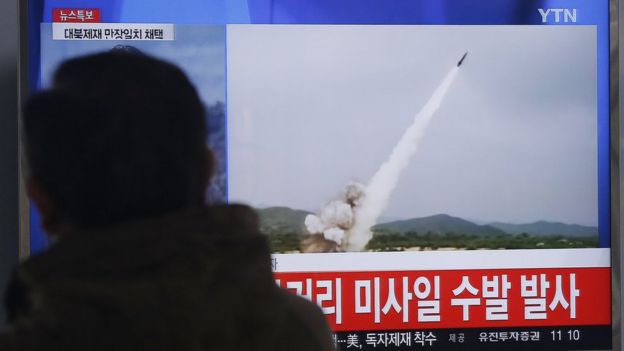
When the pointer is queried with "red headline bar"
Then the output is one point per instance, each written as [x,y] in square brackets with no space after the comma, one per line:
[457,298]
[76,15]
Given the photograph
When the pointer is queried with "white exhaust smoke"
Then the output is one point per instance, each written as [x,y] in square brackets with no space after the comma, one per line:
[347,221]
[337,217]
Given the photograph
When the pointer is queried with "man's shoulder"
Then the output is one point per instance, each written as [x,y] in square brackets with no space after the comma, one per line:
[214,232]
[308,318]
[187,266]
[8,341]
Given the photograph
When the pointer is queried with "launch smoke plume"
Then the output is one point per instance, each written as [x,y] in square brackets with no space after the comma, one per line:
[348,221]
[384,181]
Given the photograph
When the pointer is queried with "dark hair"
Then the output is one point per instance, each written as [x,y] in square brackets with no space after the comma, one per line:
[119,136]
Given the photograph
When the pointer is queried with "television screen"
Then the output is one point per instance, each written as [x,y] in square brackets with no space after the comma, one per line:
[434,174]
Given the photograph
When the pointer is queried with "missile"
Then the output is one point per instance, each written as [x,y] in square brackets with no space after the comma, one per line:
[462,59]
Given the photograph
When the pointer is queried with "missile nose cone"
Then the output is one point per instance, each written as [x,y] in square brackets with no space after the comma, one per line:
[461,60]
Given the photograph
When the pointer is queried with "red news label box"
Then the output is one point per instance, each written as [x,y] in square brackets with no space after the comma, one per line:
[76,16]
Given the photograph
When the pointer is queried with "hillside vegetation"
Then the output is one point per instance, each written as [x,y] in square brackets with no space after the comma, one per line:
[285,229]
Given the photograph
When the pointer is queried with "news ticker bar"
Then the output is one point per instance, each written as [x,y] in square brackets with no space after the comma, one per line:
[553,338]
[113,31]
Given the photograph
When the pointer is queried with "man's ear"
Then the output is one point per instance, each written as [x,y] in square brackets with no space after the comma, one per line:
[49,213]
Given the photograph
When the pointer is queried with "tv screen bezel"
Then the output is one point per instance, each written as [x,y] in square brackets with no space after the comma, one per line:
[31,15]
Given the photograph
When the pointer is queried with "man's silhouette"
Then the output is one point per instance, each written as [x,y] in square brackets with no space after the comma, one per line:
[118,167]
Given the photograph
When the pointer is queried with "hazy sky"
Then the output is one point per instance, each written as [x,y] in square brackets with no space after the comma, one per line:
[199,50]
[313,107]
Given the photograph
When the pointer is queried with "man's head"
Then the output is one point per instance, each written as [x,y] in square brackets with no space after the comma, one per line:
[118,136]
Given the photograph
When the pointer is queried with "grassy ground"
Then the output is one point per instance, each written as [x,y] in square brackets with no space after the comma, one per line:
[388,241]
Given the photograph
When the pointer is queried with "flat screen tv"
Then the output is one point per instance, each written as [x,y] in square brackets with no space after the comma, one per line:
[434,174]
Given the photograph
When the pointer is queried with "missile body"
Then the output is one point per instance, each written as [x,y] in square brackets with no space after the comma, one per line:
[462,59]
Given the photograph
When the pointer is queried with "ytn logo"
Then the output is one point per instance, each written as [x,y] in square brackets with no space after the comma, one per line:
[560,15]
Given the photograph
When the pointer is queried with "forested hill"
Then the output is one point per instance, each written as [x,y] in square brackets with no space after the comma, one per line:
[282,220]
[547,228]
[438,224]
[287,220]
